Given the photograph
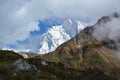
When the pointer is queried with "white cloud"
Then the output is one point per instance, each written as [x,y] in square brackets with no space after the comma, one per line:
[32,45]
[93,9]
[109,30]
[19,17]
[13,23]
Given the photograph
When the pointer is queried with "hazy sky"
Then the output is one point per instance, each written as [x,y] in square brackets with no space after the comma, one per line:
[20,19]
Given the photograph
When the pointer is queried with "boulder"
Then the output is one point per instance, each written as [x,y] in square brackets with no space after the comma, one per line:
[20,64]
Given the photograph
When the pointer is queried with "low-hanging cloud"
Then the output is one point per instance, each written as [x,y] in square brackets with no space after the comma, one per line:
[109,31]
[19,17]
[32,44]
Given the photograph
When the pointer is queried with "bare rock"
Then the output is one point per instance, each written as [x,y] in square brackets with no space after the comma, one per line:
[20,64]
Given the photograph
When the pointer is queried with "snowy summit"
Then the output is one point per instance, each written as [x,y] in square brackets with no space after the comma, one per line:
[57,35]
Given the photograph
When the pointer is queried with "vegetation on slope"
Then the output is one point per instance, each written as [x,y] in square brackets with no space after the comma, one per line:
[51,71]
[84,52]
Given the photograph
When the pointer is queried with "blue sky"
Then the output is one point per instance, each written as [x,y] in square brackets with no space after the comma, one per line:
[22,22]
[47,23]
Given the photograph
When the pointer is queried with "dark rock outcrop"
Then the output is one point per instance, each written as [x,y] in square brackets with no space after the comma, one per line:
[20,64]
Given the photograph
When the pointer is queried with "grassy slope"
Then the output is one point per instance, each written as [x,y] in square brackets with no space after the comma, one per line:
[52,71]
[84,52]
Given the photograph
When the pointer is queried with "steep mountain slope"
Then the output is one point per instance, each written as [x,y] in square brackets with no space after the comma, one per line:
[85,52]
[57,35]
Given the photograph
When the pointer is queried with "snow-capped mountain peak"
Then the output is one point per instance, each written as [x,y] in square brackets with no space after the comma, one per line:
[67,22]
[57,35]
[52,39]
[80,26]
[73,27]
[67,26]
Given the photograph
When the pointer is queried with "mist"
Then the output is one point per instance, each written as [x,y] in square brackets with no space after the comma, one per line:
[109,30]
